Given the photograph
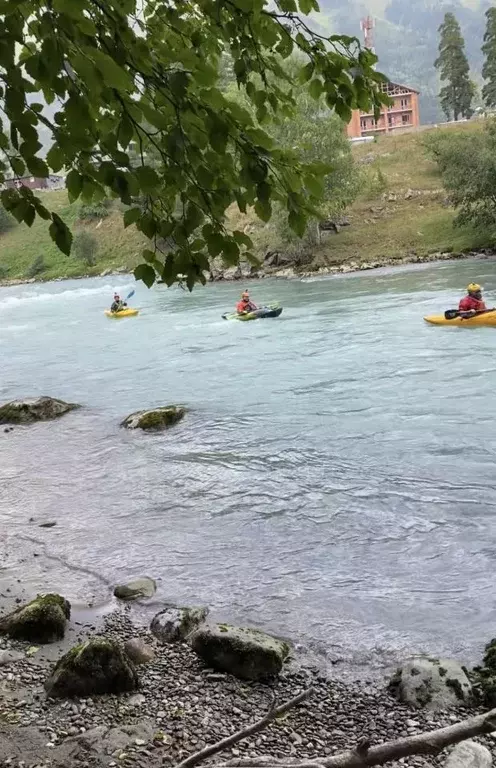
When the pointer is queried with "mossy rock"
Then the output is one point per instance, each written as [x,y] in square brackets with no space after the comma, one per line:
[173,624]
[34,409]
[484,677]
[133,590]
[155,419]
[43,620]
[433,683]
[96,667]
[246,653]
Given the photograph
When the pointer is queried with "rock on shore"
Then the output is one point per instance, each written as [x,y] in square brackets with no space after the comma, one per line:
[174,623]
[432,683]
[97,666]
[155,418]
[246,653]
[43,620]
[33,409]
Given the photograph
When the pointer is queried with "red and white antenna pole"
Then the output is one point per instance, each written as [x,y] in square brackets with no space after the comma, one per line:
[367,26]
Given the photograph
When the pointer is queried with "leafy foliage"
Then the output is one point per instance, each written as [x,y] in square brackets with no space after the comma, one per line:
[457,95]
[94,211]
[123,75]
[489,51]
[468,166]
[37,267]
[4,271]
[6,220]
[85,247]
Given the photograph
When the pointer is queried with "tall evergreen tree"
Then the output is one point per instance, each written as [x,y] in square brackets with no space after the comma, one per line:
[456,96]
[489,51]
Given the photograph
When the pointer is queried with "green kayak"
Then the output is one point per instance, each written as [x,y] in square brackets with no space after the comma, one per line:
[272,310]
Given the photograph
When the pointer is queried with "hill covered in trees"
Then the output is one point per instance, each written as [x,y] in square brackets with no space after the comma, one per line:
[406,38]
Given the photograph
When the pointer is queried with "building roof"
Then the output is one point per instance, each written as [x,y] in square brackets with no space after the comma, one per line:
[400,85]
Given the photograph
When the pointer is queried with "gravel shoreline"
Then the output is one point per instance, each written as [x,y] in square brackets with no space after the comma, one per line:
[181,706]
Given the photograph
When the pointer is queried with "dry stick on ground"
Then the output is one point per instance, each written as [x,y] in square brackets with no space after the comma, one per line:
[272,714]
[429,743]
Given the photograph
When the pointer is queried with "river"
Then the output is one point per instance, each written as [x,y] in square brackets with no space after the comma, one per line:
[334,481]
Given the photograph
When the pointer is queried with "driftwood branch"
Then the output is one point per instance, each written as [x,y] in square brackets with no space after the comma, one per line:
[429,743]
[272,714]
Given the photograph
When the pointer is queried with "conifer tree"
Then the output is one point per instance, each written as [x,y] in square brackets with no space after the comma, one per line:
[489,51]
[456,95]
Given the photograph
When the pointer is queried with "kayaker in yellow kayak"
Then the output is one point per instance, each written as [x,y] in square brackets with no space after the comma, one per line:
[472,302]
[245,305]
[117,304]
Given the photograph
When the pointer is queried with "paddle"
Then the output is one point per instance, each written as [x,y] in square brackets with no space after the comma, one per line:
[452,314]
[130,294]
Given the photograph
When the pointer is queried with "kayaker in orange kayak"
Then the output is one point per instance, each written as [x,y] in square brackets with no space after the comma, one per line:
[472,302]
[245,305]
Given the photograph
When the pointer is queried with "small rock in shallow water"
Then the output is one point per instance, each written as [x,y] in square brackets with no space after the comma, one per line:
[133,590]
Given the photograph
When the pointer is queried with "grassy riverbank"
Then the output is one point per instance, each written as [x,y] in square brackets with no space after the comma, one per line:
[400,213]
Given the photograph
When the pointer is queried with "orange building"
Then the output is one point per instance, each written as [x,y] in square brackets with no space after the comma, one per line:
[403,113]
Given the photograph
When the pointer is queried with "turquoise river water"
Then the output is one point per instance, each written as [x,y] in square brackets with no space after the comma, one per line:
[334,481]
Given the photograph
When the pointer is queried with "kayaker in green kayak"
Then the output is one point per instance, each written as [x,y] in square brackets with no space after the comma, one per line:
[117,304]
[245,305]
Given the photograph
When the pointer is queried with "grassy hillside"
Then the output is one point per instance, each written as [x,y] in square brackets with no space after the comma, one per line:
[400,213]
[21,245]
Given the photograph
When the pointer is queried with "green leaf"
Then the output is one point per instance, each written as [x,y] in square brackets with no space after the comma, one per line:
[147,178]
[148,225]
[60,234]
[17,166]
[263,209]
[146,273]
[316,88]
[125,132]
[19,211]
[306,72]
[218,135]
[131,216]
[297,222]
[55,158]
[215,243]
[112,73]
[30,215]
[242,239]
[148,255]
[343,110]
[306,6]
[74,185]
[37,167]
[42,212]
[288,6]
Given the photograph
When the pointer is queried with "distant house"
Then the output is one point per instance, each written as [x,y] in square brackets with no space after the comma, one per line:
[33,182]
[403,113]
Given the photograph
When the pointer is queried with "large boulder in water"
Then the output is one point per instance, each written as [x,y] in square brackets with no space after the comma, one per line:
[34,409]
[97,666]
[43,620]
[173,624]
[133,590]
[436,684]
[246,653]
[155,419]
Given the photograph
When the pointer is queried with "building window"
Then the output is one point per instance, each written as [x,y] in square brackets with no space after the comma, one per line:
[405,103]
[390,119]
[405,119]
[363,124]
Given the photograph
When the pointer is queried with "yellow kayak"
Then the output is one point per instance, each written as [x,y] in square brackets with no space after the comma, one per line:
[486,318]
[122,312]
